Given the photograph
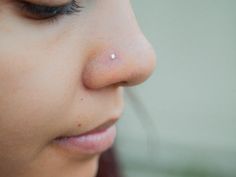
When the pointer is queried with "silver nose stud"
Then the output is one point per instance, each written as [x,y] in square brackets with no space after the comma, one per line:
[113,56]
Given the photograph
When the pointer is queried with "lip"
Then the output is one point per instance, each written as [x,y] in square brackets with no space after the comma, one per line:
[101,127]
[93,141]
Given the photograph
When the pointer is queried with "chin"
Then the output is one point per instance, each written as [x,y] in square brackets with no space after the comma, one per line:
[92,168]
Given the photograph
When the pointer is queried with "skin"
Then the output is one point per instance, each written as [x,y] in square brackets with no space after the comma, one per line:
[53,73]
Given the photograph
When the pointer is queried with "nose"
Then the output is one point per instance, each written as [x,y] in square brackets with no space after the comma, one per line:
[111,67]
[125,58]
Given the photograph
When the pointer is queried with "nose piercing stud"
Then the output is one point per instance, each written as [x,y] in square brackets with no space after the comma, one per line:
[113,56]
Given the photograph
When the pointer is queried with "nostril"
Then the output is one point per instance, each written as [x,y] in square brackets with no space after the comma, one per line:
[122,83]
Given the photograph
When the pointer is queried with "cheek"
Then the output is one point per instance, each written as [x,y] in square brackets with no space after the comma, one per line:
[35,92]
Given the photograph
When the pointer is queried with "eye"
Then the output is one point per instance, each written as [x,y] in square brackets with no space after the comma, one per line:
[43,12]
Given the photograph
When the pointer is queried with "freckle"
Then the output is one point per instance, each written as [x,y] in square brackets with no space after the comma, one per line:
[79,125]
[81,99]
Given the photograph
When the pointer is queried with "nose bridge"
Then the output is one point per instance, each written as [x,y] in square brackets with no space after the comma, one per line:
[121,56]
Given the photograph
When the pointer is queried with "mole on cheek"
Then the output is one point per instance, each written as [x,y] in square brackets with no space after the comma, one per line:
[79,125]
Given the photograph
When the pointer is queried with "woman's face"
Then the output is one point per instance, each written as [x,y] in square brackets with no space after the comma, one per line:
[62,73]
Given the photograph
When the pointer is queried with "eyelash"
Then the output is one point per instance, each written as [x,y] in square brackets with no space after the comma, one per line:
[44,12]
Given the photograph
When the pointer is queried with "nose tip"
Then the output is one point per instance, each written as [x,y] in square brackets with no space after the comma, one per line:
[111,67]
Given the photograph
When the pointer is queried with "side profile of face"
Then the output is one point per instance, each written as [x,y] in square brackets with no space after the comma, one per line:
[63,69]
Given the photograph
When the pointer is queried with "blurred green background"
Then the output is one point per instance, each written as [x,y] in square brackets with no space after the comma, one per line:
[191,98]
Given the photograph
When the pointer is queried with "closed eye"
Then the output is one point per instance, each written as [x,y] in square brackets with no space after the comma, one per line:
[43,12]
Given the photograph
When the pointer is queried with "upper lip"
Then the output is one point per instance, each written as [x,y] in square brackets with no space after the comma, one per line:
[99,128]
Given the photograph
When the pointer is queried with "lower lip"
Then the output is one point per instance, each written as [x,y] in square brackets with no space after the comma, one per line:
[90,143]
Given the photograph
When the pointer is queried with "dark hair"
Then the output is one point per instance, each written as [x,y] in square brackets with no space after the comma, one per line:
[109,165]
